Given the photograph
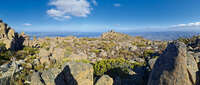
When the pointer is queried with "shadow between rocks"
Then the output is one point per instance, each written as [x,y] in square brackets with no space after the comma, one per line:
[65,77]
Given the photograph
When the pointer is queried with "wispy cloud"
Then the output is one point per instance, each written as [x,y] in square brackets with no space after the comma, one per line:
[27,24]
[116,5]
[195,24]
[65,9]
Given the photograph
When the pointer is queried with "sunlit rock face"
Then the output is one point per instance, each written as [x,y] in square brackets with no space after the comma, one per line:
[174,67]
[10,38]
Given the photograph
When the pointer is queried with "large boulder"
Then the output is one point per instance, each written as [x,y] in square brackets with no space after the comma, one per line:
[81,73]
[70,74]
[7,72]
[105,80]
[44,52]
[51,75]
[192,68]
[5,81]
[172,68]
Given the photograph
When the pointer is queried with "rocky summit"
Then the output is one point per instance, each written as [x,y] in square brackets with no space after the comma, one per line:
[112,59]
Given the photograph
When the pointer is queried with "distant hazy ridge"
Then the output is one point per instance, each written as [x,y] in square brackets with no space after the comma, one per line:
[149,35]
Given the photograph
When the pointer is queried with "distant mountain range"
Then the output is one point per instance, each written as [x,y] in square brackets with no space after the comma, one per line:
[168,35]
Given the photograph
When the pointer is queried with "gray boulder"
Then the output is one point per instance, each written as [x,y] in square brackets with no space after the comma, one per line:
[171,67]
[51,75]
[81,73]
[5,81]
[44,53]
[70,74]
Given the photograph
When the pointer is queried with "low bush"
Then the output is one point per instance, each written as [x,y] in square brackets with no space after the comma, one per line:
[30,50]
[148,53]
[114,67]
[5,54]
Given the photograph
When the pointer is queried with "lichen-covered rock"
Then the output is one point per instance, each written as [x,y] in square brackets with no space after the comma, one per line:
[45,61]
[70,74]
[44,53]
[51,75]
[7,72]
[80,56]
[81,73]
[36,79]
[11,34]
[105,80]
[192,68]
[5,81]
[8,43]
[26,39]
[171,67]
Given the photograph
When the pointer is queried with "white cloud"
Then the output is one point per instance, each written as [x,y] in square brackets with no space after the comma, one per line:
[195,24]
[65,9]
[27,24]
[67,17]
[116,5]
[117,24]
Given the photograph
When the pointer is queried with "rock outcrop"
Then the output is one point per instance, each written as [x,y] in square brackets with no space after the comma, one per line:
[8,36]
[7,73]
[71,74]
[174,67]
[112,35]
[82,73]
[50,77]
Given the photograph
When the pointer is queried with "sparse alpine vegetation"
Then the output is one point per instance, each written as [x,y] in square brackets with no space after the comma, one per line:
[112,59]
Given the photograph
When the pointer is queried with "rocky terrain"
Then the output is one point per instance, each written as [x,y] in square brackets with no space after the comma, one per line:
[112,59]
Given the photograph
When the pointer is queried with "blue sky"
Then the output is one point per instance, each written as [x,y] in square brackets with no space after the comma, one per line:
[101,15]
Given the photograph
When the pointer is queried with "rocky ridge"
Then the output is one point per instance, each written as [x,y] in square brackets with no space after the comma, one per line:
[112,59]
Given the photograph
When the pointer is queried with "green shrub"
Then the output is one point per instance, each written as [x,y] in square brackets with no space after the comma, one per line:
[125,53]
[184,40]
[96,51]
[68,51]
[139,44]
[83,61]
[148,52]
[119,67]
[30,50]
[44,45]
[5,54]
[2,47]
[107,46]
